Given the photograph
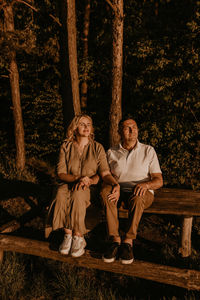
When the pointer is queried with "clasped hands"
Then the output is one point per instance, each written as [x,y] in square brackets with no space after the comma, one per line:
[82,184]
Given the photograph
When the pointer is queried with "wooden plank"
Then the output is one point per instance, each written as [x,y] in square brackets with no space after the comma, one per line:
[189,279]
[178,192]
[173,201]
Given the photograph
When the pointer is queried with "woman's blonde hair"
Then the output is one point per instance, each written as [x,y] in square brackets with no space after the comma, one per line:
[72,128]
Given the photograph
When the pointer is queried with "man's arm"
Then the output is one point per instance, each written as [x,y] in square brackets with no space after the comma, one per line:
[155,183]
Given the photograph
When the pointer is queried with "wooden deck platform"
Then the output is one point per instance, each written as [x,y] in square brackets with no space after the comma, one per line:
[184,278]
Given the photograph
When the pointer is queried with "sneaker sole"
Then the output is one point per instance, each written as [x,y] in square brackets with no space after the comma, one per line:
[126,261]
[63,252]
[78,254]
[108,260]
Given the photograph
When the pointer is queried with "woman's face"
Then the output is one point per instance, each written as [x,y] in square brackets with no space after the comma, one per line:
[84,127]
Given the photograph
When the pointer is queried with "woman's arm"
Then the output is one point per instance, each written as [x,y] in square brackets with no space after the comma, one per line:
[80,182]
[109,179]
[68,178]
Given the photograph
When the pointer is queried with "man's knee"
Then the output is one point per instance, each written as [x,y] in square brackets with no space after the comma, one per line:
[141,201]
[137,201]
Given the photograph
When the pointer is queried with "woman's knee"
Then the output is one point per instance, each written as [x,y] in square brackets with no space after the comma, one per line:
[81,198]
[61,198]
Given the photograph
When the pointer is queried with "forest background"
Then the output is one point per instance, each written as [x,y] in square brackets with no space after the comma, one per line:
[160,87]
[160,82]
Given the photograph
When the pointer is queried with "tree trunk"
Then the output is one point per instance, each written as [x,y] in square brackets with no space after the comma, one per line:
[15,92]
[66,66]
[115,109]
[86,25]
[72,49]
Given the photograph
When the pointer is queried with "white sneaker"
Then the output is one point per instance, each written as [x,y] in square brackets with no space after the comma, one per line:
[78,246]
[66,244]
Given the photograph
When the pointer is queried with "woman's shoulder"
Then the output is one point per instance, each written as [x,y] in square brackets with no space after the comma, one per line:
[98,145]
[98,148]
[66,144]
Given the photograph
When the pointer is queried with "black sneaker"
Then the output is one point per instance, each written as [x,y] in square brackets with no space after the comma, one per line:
[111,253]
[126,253]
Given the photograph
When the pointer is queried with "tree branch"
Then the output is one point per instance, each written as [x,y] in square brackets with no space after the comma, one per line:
[36,10]
[24,2]
[55,19]
[114,8]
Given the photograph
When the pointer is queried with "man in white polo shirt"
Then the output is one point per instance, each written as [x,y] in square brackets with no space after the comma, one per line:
[136,168]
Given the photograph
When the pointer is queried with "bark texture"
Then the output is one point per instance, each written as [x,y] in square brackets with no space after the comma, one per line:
[72,49]
[115,109]
[15,92]
[86,25]
[69,80]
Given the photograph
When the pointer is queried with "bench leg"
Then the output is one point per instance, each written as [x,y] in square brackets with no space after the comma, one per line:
[185,249]
[1,256]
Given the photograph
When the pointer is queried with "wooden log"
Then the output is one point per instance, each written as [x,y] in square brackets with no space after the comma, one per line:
[9,227]
[185,249]
[188,279]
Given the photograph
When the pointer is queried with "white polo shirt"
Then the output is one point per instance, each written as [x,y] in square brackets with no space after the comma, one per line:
[131,168]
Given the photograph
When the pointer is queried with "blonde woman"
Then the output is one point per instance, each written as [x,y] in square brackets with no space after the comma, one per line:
[81,162]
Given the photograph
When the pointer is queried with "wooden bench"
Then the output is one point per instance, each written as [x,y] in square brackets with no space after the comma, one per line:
[185,203]
[181,202]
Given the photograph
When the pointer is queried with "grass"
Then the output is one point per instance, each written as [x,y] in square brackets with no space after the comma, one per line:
[9,171]
[26,277]
[12,277]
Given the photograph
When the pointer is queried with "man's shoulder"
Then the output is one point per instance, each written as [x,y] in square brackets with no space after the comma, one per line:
[115,148]
[145,147]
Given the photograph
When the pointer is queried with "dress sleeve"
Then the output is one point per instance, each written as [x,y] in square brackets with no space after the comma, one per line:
[101,159]
[61,166]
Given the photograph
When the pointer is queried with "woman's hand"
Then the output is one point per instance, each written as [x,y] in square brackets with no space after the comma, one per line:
[114,196]
[82,184]
[87,181]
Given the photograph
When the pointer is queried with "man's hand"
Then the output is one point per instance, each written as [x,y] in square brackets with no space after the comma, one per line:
[114,196]
[140,189]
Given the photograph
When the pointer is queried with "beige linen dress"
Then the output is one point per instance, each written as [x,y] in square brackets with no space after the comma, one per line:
[68,208]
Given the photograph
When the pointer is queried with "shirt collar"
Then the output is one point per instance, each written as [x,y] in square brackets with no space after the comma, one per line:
[137,146]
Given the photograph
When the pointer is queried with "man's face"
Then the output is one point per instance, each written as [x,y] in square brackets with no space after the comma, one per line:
[129,131]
